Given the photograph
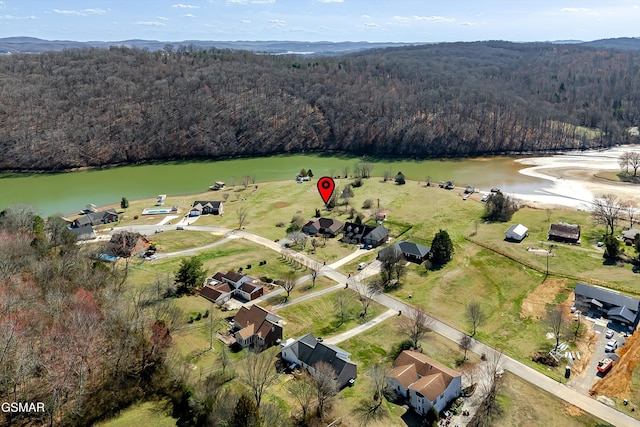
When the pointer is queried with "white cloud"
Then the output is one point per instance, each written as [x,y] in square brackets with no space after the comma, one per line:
[371,25]
[245,21]
[185,6]
[162,18]
[365,16]
[1,4]
[575,9]
[331,1]
[277,22]
[424,18]
[151,23]
[15,18]
[82,12]
[469,24]
[188,15]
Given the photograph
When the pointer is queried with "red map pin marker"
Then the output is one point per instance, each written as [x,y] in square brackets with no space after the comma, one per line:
[326,186]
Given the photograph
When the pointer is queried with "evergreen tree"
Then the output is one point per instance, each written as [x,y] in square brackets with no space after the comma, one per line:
[441,248]
[612,247]
[190,274]
[246,413]
[400,178]
[124,203]
[499,208]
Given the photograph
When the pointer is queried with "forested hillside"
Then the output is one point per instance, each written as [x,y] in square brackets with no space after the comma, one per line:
[94,107]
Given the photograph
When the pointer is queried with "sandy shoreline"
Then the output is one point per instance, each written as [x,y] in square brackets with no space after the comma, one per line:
[572,180]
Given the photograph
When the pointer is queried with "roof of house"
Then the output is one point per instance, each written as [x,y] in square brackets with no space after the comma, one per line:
[215,204]
[233,276]
[518,229]
[414,249]
[564,230]
[309,351]
[212,293]
[630,234]
[377,234]
[254,315]
[250,287]
[622,313]
[83,231]
[428,376]
[351,229]
[607,296]
[327,224]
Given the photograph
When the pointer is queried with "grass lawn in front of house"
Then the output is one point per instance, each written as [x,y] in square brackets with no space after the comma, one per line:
[318,315]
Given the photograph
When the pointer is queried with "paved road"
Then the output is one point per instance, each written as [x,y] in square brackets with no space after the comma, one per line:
[336,339]
[523,371]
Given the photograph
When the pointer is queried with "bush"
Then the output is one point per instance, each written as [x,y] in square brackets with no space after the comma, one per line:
[135,217]
[356,183]
[206,314]
[367,204]
[198,316]
[400,347]
[280,224]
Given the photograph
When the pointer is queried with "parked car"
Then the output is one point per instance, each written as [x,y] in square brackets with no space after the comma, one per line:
[179,227]
[159,230]
[611,346]
[151,257]
[362,265]
[609,334]
[484,198]
[465,197]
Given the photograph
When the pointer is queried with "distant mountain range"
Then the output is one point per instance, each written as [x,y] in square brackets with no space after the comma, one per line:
[35,45]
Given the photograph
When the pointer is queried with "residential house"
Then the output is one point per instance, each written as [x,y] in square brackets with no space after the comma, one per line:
[423,382]
[96,218]
[516,233]
[257,327]
[217,293]
[563,232]
[203,207]
[85,232]
[368,235]
[629,236]
[127,244]
[306,351]
[325,226]
[615,306]
[411,251]
[221,286]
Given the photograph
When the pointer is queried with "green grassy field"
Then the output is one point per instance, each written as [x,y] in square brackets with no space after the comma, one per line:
[146,414]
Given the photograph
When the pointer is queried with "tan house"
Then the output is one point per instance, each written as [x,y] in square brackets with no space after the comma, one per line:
[423,382]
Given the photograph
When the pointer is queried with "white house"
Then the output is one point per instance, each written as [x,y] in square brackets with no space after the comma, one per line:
[424,382]
[516,232]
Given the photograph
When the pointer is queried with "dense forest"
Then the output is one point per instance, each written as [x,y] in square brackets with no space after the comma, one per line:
[93,107]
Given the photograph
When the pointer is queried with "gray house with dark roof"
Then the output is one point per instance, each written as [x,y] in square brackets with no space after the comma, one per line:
[613,305]
[368,235]
[206,207]
[411,251]
[327,226]
[306,351]
[96,218]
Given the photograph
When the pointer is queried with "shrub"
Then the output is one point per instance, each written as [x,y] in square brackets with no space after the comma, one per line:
[367,204]
[356,183]
[135,217]
[198,316]
[280,224]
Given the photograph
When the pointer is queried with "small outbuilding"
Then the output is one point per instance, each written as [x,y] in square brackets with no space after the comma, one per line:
[516,233]
[629,236]
[563,232]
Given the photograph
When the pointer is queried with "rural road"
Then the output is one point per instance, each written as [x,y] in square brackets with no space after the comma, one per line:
[519,369]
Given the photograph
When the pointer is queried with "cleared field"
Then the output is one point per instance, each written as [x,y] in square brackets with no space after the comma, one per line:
[147,414]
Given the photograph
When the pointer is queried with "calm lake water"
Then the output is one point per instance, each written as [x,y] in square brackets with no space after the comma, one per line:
[72,191]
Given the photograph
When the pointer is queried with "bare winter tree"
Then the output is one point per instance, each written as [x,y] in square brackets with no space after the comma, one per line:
[245,181]
[242,217]
[314,267]
[415,325]
[623,161]
[475,316]
[465,344]
[325,384]
[289,283]
[490,384]
[367,293]
[391,265]
[634,162]
[632,212]
[556,321]
[605,210]
[341,305]
[258,373]
[303,391]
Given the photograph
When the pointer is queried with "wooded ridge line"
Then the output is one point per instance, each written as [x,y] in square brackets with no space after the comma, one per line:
[93,107]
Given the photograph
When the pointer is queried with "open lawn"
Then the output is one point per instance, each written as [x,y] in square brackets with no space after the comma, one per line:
[524,404]
[318,316]
[146,414]
[299,291]
[174,241]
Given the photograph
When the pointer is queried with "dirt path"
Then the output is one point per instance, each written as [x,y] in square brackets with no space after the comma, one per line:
[534,305]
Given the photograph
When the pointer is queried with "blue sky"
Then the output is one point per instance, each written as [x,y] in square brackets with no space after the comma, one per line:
[319,20]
